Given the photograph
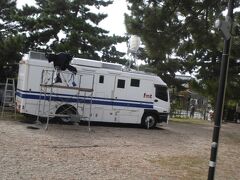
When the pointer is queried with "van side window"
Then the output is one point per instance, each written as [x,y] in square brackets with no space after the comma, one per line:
[161,92]
[101,79]
[135,82]
[121,83]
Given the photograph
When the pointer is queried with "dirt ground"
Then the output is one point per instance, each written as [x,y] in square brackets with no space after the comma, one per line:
[179,150]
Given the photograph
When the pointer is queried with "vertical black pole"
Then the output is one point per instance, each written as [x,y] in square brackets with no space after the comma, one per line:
[220,97]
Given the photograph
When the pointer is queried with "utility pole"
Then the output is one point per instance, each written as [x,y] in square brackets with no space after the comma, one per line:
[225,27]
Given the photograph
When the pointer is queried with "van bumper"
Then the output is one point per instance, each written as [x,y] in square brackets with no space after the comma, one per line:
[163,117]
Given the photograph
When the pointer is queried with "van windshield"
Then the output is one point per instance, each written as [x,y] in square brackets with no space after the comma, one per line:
[161,92]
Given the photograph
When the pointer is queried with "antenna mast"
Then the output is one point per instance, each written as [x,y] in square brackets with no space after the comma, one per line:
[133,46]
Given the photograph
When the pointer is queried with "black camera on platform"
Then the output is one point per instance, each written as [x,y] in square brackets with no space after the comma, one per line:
[61,61]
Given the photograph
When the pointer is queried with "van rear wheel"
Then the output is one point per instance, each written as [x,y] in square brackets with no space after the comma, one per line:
[67,110]
[149,120]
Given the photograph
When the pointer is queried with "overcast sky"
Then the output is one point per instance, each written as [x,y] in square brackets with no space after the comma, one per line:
[114,23]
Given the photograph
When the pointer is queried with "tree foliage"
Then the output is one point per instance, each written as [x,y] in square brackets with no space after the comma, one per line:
[10,41]
[8,9]
[69,26]
[57,26]
[179,36]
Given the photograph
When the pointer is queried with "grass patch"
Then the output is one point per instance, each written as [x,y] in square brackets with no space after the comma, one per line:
[190,121]
[232,138]
[183,167]
[10,116]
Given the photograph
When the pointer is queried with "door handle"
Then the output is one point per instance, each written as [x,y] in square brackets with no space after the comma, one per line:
[155,100]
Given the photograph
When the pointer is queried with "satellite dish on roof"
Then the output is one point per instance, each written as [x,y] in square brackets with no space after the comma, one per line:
[133,46]
[134,43]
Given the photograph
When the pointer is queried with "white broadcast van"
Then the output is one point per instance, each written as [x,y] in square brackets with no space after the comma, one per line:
[104,92]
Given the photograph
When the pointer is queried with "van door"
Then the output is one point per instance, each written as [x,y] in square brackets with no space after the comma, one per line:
[103,97]
[161,101]
[120,92]
[121,102]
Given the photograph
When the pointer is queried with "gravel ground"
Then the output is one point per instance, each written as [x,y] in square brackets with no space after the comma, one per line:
[173,151]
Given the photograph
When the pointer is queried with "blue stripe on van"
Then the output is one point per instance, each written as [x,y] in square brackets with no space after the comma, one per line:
[81,99]
[76,96]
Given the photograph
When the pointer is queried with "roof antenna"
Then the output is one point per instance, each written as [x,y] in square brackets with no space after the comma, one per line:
[133,46]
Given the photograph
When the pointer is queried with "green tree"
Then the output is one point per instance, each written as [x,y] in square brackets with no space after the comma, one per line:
[7,10]
[10,41]
[180,36]
[69,26]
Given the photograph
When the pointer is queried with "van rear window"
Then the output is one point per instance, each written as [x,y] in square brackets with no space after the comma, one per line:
[161,92]
[101,79]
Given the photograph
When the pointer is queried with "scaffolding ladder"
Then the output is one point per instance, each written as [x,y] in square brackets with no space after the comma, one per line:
[9,100]
[48,93]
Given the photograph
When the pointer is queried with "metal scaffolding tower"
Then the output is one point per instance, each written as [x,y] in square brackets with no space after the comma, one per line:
[72,104]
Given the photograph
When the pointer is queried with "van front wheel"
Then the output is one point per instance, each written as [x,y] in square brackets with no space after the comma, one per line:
[149,120]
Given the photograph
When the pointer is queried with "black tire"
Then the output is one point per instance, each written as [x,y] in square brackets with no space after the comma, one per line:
[66,110]
[149,120]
